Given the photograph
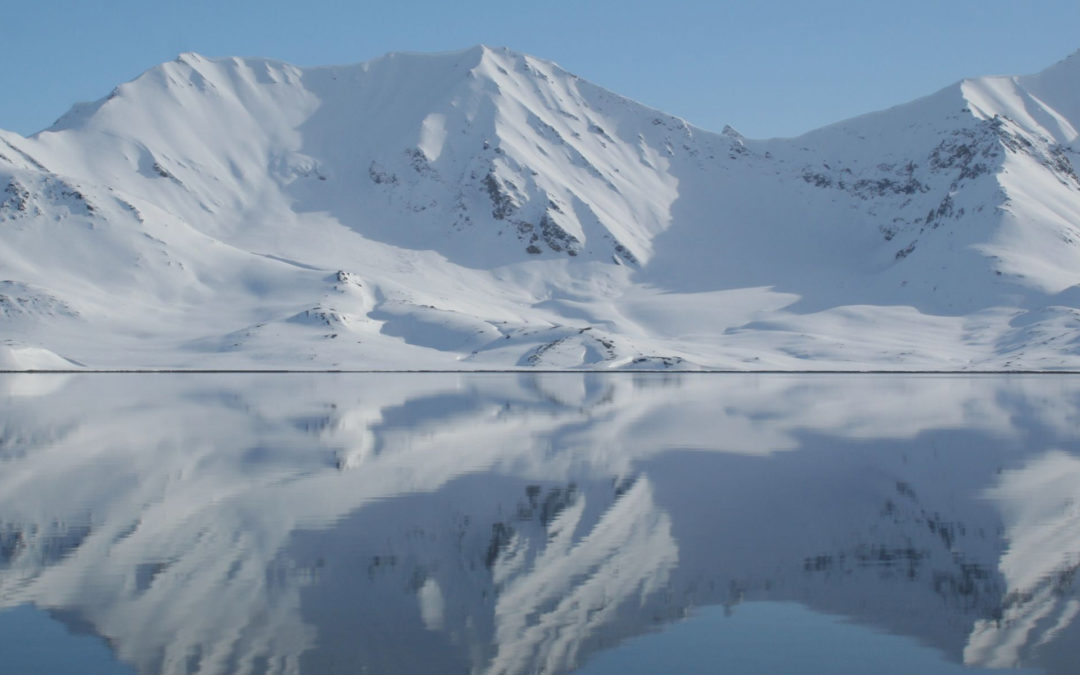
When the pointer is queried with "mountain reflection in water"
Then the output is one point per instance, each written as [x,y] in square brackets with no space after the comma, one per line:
[521,523]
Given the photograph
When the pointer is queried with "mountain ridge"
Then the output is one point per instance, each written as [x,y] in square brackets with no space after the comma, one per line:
[490,209]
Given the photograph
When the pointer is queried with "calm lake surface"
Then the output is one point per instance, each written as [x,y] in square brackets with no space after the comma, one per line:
[526,523]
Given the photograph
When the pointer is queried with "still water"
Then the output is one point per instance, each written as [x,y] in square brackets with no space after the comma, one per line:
[526,523]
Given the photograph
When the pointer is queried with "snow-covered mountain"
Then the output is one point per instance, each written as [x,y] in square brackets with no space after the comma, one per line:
[486,209]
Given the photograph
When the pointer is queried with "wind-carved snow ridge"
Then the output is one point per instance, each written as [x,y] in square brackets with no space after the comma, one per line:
[504,213]
[512,146]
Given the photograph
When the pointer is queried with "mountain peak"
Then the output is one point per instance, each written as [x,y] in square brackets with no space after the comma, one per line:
[190,58]
[1046,102]
[486,207]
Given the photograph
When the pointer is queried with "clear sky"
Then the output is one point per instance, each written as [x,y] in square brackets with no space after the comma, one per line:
[768,68]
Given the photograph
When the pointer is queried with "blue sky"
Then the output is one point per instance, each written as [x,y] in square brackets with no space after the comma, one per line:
[768,68]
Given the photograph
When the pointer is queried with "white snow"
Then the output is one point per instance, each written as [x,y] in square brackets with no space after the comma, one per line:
[494,211]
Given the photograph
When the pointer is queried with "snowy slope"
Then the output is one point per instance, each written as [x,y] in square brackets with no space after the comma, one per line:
[486,209]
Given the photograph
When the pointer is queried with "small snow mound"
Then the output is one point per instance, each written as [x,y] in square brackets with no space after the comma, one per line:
[18,358]
[567,347]
[322,316]
[660,363]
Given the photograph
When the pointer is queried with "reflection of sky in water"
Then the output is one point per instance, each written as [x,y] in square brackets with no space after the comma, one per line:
[512,523]
[774,638]
[758,638]
[33,643]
